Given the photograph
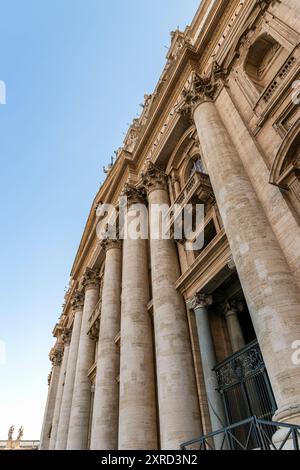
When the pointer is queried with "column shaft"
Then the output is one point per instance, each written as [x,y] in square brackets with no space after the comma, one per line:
[58,398]
[137,413]
[176,383]
[234,329]
[270,290]
[65,409]
[80,410]
[208,359]
[50,405]
[104,434]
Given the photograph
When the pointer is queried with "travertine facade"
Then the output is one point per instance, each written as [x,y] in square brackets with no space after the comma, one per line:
[146,321]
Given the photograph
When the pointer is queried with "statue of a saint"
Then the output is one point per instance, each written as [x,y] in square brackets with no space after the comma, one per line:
[10,432]
[20,433]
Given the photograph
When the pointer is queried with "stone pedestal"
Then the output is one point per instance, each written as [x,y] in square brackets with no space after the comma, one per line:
[80,411]
[56,358]
[104,435]
[66,403]
[137,413]
[270,290]
[177,395]
[60,388]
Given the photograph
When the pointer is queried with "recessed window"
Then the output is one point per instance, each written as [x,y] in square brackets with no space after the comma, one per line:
[261,63]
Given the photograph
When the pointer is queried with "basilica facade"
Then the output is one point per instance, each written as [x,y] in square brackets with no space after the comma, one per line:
[158,345]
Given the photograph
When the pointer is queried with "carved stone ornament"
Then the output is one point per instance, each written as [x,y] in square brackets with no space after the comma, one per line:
[91,278]
[134,195]
[56,356]
[66,335]
[109,244]
[49,377]
[199,300]
[77,300]
[153,178]
[200,89]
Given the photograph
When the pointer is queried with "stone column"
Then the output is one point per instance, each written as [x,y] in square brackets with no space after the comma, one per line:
[137,412]
[270,290]
[56,358]
[65,338]
[80,410]
[176,383]
[104,435]
[233,325]
[65,409]
[199,304]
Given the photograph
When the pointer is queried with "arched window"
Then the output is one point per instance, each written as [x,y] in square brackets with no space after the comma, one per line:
[262,61]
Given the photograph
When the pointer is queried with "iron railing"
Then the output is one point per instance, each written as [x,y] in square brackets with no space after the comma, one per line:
[259,436]
[245,387]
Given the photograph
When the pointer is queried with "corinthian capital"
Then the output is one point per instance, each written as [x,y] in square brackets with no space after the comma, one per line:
[77,300]
[109,244]
[199,300]
[55,356]
[90,278]
[153,178]
[200,89]
[134,195]
[66,335]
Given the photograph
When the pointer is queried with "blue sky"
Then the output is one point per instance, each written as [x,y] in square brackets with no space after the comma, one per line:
[76,72]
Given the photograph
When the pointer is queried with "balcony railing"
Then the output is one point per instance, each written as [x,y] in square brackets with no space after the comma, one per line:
[250,434]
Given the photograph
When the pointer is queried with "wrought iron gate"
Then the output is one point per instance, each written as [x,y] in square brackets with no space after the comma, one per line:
[245,387]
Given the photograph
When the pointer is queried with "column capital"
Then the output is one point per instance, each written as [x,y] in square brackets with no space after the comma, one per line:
[199,300]
[134,195]
[55,356]
[153,178]
[111,239]
[77,300]
[91,279]
[231,307]
[200,90]
[66,336]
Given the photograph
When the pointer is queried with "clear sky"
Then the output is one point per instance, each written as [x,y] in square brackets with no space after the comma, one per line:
[76,72]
